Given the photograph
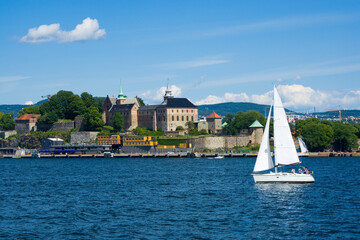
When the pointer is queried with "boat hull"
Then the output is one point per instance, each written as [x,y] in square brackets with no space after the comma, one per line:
[283,177]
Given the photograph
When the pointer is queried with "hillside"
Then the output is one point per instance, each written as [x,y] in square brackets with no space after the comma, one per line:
[15,108]
[232,107]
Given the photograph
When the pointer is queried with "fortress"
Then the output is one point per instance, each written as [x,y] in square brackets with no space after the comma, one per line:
[166,116]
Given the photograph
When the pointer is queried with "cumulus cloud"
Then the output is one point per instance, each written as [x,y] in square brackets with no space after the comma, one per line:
[296,97]
[87,30]
[158,95]
[29,103]
[228,97]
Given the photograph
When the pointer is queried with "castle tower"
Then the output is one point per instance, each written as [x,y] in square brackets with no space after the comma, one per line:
[121,98]
[168,93]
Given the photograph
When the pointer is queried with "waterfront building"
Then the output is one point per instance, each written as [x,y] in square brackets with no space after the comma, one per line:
[127,107]
[26,123]
[166,116]
[109,140]
[214,123]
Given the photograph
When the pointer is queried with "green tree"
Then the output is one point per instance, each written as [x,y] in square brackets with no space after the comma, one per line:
[88,100]
[178,128]
[317,136]
[92,119]
[141,101]
[75,107]
[7,121]
[118,122]
[57,104]
[48,118]
[30,110]
[345,138]
[190,125]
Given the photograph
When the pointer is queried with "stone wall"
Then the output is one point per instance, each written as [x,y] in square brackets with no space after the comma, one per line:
[83,137]
[79,123]
[220,142]
[63,126]
[6,134]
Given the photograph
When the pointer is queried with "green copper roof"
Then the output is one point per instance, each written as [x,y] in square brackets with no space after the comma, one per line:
[256,124]
[224,124]
[121,96]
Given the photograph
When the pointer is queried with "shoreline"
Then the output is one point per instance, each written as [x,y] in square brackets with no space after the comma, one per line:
[172,155]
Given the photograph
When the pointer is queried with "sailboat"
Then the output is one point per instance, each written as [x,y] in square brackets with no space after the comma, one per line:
[284,151]
[303,149]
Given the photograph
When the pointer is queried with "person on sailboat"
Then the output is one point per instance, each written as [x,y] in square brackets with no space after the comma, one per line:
[300,170]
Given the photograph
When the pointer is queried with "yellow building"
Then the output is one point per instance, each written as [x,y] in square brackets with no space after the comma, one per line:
[139,141]
[109,140]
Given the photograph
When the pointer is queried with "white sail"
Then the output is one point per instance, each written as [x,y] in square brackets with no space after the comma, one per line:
[303,147]
[264,160]
[285,151]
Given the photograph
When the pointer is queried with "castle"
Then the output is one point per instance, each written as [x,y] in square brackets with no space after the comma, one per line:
[167,116]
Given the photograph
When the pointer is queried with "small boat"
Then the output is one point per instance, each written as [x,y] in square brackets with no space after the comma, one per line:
[219,157]
[303,149]
[284,151]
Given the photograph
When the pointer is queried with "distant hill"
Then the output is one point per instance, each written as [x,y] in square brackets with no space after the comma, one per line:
[232,107]
[15,108]
[335,114]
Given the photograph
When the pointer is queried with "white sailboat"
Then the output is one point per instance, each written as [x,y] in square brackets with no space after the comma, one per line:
[303,149]
[284,148]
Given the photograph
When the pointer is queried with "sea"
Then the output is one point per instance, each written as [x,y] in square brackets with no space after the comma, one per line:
[175,198]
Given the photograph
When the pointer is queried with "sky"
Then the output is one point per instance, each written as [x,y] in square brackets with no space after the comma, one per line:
[208,51]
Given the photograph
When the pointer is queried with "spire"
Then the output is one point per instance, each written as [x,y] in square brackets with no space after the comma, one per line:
[168,93]
[121,96]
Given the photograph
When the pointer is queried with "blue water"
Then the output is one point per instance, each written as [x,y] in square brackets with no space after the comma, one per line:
[174,199]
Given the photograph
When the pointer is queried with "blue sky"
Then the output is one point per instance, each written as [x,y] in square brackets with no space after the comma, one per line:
[211,51]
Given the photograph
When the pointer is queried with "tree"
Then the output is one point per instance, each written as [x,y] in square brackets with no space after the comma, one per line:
[241,120]
[75,107]
[141,101]
[317,136]
[48,118]
[345,138]
[7,121]
[93,119]
[179,128]
[118,122]
[58,104]
[190,125]
[88,100]
[30,110]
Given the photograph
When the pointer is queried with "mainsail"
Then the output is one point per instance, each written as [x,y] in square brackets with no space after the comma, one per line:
[285,151]
[264,160]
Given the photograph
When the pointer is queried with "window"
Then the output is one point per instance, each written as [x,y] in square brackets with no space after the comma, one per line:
[187,118]
[192,118]
[172,118]
[177,118]
[182,118]
[177,110]
[182,110]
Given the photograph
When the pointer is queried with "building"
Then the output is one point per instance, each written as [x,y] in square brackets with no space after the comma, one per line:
[50,142]
[167,116]
[214,123]
[127,107]
[109,140]
[26,123]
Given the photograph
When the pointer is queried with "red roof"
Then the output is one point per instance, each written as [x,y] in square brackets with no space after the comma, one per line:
[213,115]
[28,116]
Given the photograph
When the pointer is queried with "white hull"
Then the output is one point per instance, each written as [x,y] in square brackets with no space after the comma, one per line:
[283,177]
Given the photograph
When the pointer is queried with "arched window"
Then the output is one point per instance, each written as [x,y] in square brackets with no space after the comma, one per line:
[177,118]
[182,118]
[192,118]
[187,118]
[172,118]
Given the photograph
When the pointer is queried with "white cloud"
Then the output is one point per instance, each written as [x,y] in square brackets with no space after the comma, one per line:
[13,78]
[206,61]
[228,97]
[87,30]
[158,95]
[29,103]
[295,97]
